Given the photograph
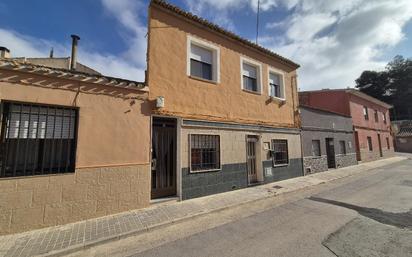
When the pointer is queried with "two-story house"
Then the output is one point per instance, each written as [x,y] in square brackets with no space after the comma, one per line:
[370,118]
[226,109]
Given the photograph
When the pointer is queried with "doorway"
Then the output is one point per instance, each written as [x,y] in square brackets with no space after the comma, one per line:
[251,142]
[163,157]
[380,145]
[330,152]
[357,148]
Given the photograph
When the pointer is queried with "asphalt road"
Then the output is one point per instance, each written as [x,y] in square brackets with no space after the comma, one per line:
[369,214]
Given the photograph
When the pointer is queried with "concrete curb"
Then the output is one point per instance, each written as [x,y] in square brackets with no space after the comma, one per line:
[269,194]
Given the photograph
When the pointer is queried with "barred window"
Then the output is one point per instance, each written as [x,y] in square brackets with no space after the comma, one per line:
[37,139]
[204,152]
[316,148]
[342,146]
[280,155]
[370,147]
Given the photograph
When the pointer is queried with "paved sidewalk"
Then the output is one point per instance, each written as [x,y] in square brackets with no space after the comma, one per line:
[60,240]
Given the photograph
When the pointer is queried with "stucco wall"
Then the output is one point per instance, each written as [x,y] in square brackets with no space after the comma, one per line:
[225,101]
[367,155]
[332,100]
[356,107]
[233,174]
[112,158]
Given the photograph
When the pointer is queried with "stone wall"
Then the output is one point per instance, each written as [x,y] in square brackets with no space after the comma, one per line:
[344,160]
[314,164]
[35,202]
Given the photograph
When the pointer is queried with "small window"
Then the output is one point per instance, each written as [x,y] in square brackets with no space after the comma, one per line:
[250,75]
[376,116]
[203,60]
[342,146]
[370,144]
[384,117]
[276,85]
[316,148]
[365,113]
[37,140]
[204,152]
[387,143]
[280,155]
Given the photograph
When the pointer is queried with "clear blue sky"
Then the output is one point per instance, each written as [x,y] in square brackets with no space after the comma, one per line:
[334,41]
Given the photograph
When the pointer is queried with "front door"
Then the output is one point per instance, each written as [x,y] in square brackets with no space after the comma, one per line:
[330,152]
[163,157]
[251,158]
[357,147]
[380,145]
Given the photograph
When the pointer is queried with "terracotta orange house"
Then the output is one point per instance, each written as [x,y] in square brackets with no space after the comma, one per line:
[370,118]
[226,112]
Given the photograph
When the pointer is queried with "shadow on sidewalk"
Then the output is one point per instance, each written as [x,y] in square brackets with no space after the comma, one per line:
[400,220]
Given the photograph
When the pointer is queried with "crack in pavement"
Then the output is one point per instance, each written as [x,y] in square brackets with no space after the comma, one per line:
[399,220]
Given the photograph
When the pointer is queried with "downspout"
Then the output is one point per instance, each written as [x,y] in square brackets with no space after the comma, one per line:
[298,121]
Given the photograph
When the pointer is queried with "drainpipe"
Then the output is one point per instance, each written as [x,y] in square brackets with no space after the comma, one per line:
[73,59]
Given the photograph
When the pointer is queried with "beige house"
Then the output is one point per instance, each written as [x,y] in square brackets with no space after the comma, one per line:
[226,115]
[73,146]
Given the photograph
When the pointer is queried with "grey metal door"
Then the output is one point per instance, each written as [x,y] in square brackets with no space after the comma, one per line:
[163,157]
[380,145]
[251,158]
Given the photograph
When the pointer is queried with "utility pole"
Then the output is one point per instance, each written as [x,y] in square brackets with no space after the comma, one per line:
[257,22]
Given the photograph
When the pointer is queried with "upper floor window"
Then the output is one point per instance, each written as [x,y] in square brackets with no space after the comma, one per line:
[384,117]
[376,116]
[203,60]
[365,113]
[37,139]
[276,84]
[251,72]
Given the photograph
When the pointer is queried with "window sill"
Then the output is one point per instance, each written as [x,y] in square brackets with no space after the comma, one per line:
[204,171]
[251,92]
[204,80]
[280,165]
[277,99]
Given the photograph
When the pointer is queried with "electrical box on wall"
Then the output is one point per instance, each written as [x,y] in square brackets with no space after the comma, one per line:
[160,102]
[268,172]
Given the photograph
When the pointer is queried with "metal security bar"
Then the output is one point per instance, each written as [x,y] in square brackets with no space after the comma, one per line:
[280,153]
[37,139]
[205,152]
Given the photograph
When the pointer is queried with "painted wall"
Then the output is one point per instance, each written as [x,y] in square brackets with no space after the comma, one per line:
[331,100]
[356,109]
[233,174]
[367,155]
[112,159]
[225,101]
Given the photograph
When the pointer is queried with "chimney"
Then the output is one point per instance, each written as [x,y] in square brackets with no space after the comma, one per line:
[73,59]
[4,52]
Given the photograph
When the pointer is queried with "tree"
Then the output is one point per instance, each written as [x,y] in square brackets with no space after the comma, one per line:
[393,86]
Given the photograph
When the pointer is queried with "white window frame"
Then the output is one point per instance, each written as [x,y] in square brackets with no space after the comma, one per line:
[258,66]
[280,73]
[216,57]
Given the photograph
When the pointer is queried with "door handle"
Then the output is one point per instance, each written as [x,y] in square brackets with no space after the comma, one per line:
[154,162]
